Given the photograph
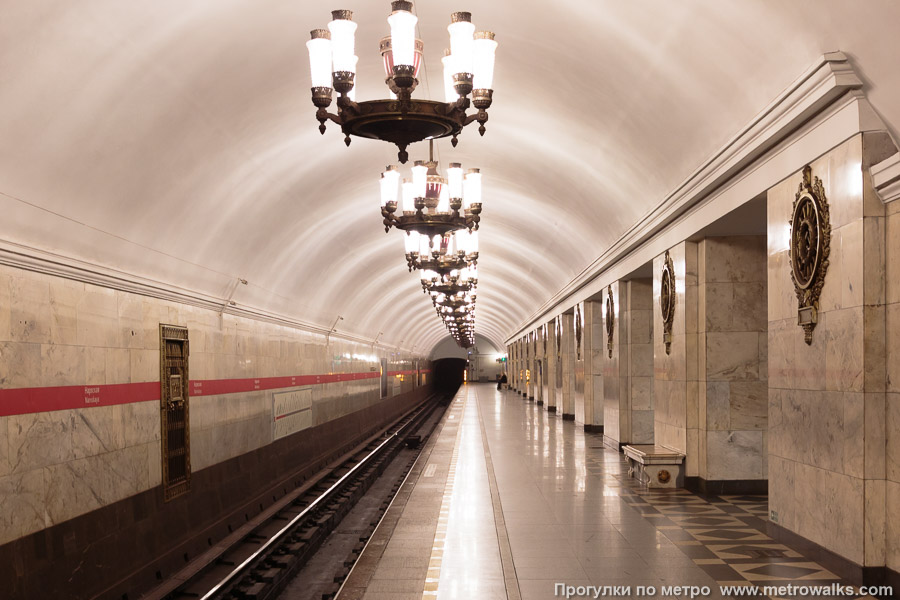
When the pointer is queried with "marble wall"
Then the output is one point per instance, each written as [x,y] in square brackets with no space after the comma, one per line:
[594,352]
[827,415]
[676,378]
[578,339]
[553,360]
[628,373]
[567,357]
[639,322]
[614,361]
[892,400]
[733,362]
[63,463]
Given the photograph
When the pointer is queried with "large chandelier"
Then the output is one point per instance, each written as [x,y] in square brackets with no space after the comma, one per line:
[429,204]
[458,314]
[468,69]
[463,280]
[442,254]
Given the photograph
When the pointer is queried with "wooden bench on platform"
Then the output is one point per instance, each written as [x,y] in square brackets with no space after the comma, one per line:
[655,466]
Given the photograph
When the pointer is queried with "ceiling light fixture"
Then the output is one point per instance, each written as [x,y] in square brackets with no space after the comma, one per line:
[442,254]
[429,204]
[468,69]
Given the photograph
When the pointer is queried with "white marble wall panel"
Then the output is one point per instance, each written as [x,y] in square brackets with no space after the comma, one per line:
[595,353]
[892,385]
[567,406]
[733,340]
[53,332]
[676,386]
[552,398]
[29,301]
[829,418]
[5,305]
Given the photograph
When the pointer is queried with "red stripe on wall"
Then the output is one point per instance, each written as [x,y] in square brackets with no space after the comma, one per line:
[23,401]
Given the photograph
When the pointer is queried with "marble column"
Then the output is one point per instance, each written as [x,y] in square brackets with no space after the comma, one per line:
[733,365]
[514,375]
[628,365]
[827,414]
[553,362]
[540,365]
[594,347]
[578,363]
[568,366]
[614,360]
[532,365]
[638,323]
[676,386]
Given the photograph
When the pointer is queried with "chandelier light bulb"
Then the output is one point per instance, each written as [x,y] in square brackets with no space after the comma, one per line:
[472,188]
[319,47]
[420,179]
[462,33]
[403,33]
[343,40]
[472,246]
[409,196]
[390,180]
[450,94]
[411,242]
[455,180]
[443,206]
[483,52]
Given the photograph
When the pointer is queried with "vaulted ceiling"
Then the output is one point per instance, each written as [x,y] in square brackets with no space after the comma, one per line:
[176,140]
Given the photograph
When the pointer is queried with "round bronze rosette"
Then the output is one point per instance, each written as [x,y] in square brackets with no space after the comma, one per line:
[810,245]
[610,319]
[667,300]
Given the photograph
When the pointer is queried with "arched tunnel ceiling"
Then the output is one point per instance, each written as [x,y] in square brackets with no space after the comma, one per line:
[176,140]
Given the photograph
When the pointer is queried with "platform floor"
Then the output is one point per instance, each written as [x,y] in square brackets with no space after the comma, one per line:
[507,501]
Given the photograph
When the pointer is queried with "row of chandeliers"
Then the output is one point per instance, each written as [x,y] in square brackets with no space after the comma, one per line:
[439,215]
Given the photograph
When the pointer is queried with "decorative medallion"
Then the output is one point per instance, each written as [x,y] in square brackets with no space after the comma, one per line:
[610,319]
[558,335]
[578,328]
[663,476]
[667,300]
[810,247]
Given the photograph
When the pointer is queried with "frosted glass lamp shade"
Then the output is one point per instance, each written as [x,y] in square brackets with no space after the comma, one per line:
[403,34]
[320,58]
[483,50]
[390,181]
[343,41]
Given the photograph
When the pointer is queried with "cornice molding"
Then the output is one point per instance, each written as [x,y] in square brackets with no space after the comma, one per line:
[886,178]
[40,261]
[829,84]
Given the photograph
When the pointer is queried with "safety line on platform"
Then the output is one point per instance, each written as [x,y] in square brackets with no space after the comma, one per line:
[433,578]
[510,580]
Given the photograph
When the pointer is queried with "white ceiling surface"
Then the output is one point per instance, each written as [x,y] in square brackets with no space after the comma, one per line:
[176,140]
[447,348]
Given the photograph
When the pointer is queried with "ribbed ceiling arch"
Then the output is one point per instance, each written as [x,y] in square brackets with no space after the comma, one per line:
[176,141]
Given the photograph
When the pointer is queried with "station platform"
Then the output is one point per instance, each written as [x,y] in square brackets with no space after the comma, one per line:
[510,502]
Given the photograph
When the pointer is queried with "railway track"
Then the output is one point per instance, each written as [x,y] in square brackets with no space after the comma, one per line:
[259,564]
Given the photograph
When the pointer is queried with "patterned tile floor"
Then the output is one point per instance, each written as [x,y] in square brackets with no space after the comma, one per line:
[725,536]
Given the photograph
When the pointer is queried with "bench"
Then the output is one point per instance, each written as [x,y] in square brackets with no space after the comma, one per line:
[655,466]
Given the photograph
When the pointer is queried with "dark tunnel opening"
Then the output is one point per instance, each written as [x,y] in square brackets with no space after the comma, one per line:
[448,374]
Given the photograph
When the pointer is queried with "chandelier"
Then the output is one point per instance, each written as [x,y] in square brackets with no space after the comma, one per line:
[460,322]
[429,204]
[442,254]
[400,120]
[463,280]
